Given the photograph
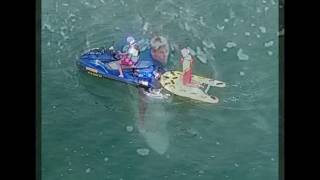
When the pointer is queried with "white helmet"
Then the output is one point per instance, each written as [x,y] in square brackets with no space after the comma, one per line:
[130,40]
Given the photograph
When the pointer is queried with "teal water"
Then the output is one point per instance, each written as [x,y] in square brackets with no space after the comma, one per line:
[91,127]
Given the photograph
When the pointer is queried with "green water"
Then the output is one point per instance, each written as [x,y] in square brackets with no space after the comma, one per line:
[86,121]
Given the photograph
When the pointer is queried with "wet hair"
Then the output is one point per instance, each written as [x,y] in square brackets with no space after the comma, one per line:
[158,42]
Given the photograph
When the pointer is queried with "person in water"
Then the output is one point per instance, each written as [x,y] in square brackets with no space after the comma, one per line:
[159,52]
[186,60]
[159,49]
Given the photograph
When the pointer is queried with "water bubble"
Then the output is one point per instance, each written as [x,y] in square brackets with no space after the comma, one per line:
[88,170]
[145,26]
[106,159]
[224,49]
[242,73]
[226,20]
[263,29]
[247,33]
[201,21]
[209,44]
[220,27]
[258,10]
[268,44]
[270,53]
[236,165]
[129,128]
[192,52]
[241,55]
[231,44]
[143,151]
[187,27]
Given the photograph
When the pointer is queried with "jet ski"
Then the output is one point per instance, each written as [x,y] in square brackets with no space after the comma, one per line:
[104,63]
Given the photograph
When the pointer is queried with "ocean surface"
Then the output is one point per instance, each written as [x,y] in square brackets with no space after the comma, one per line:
[91,128]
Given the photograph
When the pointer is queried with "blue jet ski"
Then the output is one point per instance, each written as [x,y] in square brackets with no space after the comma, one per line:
[104,63]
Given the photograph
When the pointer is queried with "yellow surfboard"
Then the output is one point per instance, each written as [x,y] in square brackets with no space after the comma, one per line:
[172,82]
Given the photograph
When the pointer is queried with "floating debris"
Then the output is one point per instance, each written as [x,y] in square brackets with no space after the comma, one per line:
[102,1]
[270,53]
[231,44]
[224,49]
[201,171]
[242,73]
[65,4]
[236,165]
[217,143]
[253,25]
[143,151]
[226,20]
[106,159]
[241,55]
[247,33]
